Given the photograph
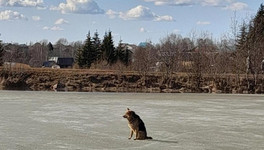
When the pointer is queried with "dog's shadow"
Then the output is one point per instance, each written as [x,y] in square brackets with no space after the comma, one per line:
[164,141]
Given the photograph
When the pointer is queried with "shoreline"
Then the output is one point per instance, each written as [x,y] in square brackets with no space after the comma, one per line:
[76,80]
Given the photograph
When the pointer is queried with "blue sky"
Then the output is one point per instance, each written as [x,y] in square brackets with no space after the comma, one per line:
[133,21]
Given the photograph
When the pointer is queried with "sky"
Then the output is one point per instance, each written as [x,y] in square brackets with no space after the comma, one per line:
[132,21]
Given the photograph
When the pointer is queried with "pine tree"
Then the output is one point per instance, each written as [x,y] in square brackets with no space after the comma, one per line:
[120,51]
[109,53]
[256,40]
[89,53]
[259,23]
[123,54]
[250,47]
[127,55]
[242,55]
[241,40]
[50,48]
[97,46]
[79,57]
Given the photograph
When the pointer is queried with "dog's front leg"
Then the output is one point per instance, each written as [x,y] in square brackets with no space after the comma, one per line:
[137,134]
[131,134]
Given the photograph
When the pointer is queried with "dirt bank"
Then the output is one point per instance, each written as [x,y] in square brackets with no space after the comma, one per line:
[111,81]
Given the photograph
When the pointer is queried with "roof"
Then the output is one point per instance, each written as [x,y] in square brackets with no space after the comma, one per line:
[142,44]
[48,63]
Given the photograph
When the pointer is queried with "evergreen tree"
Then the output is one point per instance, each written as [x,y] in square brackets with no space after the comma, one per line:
[50,48]
[123,54]
[242,50]
[1,53]
[250,47]
[127,55]
[79,57]
[89,53]
[256,39]
[259,24]
[242,40]
[109,53]
[97,46]
[120,51]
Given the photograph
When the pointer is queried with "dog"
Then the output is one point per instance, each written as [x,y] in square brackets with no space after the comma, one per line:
[136,125]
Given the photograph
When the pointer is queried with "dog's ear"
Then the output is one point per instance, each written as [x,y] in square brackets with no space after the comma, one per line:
[128,109]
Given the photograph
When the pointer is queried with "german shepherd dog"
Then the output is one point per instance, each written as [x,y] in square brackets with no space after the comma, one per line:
[136,125]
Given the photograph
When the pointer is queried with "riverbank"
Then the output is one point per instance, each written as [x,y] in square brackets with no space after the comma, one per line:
[117,81]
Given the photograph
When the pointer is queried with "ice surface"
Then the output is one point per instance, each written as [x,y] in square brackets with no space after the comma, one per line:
[53,120]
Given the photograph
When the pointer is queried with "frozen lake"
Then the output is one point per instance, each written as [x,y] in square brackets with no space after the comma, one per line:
[81,121]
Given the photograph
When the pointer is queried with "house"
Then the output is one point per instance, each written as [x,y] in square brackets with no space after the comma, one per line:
[55,59]
[48,64]
[65,62]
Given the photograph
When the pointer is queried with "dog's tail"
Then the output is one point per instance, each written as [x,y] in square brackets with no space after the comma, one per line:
[148,137]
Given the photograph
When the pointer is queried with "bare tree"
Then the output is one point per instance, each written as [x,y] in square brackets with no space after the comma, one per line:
[60,47]
[144,59]
[203,59]
[225,57]
[169,53]
[38,54]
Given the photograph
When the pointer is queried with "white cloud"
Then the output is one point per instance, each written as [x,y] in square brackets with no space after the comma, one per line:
[236,6]
[22,3]
[112,14]
[139,12]
[211,2]
[171,2]
[143,13]
[227,4]
[54,28]
[164,18]
[36,18]
[11,15]
[203,23]
[79,7]
[45,28]
[61,21]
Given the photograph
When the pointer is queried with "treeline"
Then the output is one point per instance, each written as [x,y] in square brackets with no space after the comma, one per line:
[199,55]
[92,52]
[35,54]
[95,52]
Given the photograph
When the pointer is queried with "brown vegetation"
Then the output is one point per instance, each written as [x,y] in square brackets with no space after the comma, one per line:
[113,81]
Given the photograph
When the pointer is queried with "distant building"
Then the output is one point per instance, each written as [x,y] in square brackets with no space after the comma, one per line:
[55,59]
[65,62]
[130,47]
[49,64]
[142,44]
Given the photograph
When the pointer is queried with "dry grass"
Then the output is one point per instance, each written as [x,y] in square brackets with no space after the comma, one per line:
[26,68]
